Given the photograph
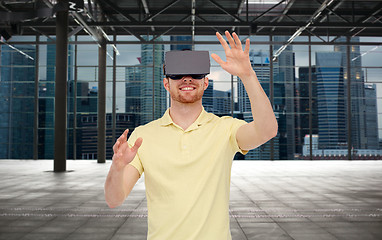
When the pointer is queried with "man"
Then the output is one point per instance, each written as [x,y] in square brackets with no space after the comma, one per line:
[187,154]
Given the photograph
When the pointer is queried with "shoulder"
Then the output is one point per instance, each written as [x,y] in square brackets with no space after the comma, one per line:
[229,120]
[226,121]
[148,126]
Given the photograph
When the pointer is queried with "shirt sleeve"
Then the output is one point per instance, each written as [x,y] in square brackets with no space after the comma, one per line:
[136,161]
[236,124]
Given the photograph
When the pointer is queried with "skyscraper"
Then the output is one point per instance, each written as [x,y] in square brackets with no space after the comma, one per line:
[181,47]
[302,128]
[153,94]
[371,117]
[260,63]
[331,100]
[17,109]
[284,79]
[358,107]
[222,102]
[208,97]
[133,91]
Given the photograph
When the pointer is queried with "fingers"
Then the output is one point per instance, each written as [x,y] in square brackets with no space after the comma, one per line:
[125,146]
[237,40]
[234,42]
[222,41]
[116,146]
[230,39]
[121,139]
[247,43]
[217,59]
[137,144]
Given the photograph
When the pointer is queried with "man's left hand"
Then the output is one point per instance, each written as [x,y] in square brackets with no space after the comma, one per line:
[237,61]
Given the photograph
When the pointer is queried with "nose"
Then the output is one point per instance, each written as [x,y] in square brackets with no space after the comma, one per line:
[185,78]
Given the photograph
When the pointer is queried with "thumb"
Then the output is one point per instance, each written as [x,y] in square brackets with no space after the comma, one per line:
[217,59]
[137,144]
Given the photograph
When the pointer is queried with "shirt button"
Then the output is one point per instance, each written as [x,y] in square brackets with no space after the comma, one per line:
[184,146]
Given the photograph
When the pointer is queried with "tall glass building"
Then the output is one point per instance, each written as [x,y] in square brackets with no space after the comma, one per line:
[260,63]
[357,92]
[153,95]
[284,79]
[302,106]
[17,88]
[371,119]
[331,101]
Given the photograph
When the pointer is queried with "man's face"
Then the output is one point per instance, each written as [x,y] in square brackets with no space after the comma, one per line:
[186,89]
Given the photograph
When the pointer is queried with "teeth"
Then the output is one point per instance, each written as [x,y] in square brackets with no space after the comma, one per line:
[187,88]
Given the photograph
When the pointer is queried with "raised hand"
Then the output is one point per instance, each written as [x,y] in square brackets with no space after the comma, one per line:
[237,61]
[123,154]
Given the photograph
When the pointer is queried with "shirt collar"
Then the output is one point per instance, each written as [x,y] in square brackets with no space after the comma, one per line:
[203,118]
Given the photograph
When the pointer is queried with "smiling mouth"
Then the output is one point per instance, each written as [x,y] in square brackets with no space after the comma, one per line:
[187,88]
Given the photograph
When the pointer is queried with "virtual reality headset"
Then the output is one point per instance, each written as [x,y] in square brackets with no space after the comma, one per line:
[178,63]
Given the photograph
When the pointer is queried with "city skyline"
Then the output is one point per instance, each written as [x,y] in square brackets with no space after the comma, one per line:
[218,97]
[129,56]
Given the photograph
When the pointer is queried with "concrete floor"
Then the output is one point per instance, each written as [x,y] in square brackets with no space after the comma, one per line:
[304,200]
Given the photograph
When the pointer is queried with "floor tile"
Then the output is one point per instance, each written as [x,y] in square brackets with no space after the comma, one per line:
[291,200]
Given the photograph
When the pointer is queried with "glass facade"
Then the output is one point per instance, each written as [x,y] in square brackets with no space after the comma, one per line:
[316,97]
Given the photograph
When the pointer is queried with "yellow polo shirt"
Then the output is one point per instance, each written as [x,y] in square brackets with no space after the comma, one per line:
[187,176]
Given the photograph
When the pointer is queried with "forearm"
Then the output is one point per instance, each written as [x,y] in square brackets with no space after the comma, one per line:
[115,193]
[264,120]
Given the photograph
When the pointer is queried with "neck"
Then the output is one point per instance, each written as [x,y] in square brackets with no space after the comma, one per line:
[185,114]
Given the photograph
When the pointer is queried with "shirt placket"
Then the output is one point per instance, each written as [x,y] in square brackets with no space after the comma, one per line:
[185,146]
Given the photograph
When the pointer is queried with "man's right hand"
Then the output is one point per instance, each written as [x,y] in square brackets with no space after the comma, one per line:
[123,154]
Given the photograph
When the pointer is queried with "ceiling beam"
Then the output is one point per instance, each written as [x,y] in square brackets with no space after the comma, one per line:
[285,12]
[267,24]
[225,11]
[147,12]
[118,10]
[239,10]
[267,11]
[160,11]
[375,11]
[168,30]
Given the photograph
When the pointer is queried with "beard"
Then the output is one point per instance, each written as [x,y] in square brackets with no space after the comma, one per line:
[187,97]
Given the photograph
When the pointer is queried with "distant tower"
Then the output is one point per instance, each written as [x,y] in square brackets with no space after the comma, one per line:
[331,100]
[208,97]
[222,102]
[181,47]
[153,94]
[17,107]
[303,108]
[371,117]
[260,63]
[133,91]
[284,83]
[358,107]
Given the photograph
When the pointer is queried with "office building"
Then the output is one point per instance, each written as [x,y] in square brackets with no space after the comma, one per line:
[153,94]
[260,63]
[284,81]
[357,93]
[371,117]
[302,106]
[17,88]
[331,100]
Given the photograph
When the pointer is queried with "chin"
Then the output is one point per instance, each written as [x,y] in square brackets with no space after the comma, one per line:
[187,100]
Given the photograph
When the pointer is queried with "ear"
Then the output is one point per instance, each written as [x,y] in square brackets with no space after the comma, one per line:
[166,84]
[206,83]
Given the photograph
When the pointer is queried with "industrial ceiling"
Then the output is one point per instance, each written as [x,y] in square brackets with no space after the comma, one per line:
[194,17]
